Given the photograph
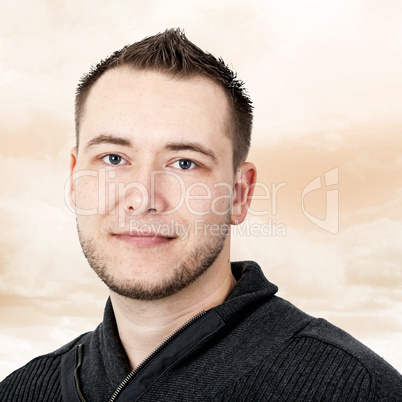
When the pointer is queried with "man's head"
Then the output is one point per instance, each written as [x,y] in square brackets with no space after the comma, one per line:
[152,179]
[172,54]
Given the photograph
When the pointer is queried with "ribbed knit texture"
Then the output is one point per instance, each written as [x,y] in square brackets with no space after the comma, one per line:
[307,370]
[39,380]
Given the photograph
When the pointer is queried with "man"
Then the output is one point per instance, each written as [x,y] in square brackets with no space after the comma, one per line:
[158,175]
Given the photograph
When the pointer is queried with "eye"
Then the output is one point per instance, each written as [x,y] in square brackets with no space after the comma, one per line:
[184,164]
[114,159]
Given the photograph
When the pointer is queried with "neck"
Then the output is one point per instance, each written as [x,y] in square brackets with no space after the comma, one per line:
[144,325]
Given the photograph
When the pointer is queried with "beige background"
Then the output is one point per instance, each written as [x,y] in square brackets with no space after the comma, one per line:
[326,83]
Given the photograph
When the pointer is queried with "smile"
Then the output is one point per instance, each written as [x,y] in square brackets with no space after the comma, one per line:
[141,239]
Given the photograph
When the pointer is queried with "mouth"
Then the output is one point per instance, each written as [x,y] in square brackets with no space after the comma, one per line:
[144,239]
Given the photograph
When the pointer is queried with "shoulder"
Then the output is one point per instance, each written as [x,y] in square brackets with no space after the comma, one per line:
[307,358]
[354,361]
[40,378]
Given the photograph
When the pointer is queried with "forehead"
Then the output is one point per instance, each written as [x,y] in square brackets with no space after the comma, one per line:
[149,103]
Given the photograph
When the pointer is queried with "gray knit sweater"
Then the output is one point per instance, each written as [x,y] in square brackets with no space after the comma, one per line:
[254,347]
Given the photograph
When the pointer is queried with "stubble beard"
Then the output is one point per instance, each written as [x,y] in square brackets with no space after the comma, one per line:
[191,267]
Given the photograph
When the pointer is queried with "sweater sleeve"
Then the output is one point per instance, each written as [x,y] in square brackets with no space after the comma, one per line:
[385,381]
[314,369]
[39,380]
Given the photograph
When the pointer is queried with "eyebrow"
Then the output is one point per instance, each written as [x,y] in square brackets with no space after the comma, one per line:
[192,146]
[108,139]
[171,146]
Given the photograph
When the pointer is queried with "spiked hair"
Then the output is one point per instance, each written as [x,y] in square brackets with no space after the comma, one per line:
[172,54]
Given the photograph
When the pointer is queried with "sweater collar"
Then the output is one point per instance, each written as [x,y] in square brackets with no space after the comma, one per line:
[251,289]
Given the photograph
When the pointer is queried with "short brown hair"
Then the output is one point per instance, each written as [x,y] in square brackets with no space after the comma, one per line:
[173,54]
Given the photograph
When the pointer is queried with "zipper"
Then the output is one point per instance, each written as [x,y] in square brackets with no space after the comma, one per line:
[77,367]
[153,354]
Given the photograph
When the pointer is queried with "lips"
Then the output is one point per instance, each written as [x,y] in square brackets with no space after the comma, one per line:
[143,239]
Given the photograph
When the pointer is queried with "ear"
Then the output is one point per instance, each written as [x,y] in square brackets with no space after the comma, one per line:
[73,165]
[243,190]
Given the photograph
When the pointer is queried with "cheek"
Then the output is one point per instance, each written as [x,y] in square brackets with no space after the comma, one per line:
[204,200]
[222,199]
[197,200]
[88,198]
[96,192]
[170,189]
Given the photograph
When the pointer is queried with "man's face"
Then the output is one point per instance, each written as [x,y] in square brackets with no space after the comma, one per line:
[153,181]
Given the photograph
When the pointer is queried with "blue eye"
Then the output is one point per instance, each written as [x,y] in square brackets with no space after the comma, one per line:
[184,164]
[113,159]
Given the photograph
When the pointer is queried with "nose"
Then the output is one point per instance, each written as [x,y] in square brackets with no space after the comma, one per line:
[142,195]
